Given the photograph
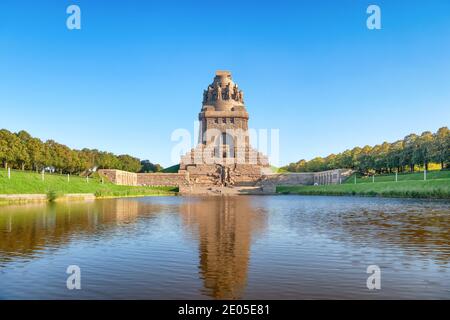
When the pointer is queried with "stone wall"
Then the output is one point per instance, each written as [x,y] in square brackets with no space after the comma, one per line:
[120,177]
[288,179]
[306,178]
[331,176]
[244,175]
[161,179]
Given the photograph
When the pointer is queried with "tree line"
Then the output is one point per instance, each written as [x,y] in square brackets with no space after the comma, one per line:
[22,151]
[400,156]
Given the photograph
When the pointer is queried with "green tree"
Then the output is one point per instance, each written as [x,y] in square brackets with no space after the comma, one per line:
[412,150]
[409,146]
[441,147]
[129,163]
[393,157]
[423,147]
[6,155]
[147,166]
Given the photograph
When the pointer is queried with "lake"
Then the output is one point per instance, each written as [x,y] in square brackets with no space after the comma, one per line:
[245,247]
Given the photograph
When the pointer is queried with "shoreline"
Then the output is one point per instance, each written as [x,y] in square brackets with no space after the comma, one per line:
[431,189]
[287,193]
[14,199]
[7,199]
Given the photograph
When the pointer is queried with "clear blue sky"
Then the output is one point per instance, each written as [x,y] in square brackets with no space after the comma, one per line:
[136,71]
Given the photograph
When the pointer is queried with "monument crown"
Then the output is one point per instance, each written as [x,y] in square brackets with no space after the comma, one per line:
[223,94]
[223,73]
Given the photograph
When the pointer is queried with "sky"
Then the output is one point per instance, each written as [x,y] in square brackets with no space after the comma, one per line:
[136,71]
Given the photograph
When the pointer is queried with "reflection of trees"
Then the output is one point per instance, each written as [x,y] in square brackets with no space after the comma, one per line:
[415,227]
[416,231]
[26,229]
[224,226]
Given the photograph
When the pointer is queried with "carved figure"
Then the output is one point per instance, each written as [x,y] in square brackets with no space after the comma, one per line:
[219,93]
[241,96]
[210,93]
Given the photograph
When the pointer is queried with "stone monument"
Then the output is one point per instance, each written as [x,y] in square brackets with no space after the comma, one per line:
[223,156]
[223,162]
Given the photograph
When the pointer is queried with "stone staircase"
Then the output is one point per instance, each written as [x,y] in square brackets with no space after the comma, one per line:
[229,191]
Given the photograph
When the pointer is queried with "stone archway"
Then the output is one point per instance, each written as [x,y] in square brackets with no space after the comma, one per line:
[224,146]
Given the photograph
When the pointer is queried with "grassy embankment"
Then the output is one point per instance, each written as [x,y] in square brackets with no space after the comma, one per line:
[26,182]
[410,185]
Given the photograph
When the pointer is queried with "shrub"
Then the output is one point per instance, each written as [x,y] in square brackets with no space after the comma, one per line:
[52,195]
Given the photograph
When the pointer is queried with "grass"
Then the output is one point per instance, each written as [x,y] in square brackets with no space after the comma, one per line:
[277,169]
[26,182]
[431,175]
[172,169]
[436,189]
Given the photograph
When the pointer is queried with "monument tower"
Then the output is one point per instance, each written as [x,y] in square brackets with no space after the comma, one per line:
[223,155]
[223,162]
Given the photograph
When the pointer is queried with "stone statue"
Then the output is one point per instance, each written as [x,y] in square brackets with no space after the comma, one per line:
[219,93]
[225,176]
[235,92]
[219,175]
[228,92]
[230,178]
[210,94]
[205,96]
[241,96]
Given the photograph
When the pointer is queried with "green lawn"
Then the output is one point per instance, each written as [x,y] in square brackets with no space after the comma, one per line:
[172,169]
[26,182]
[431,175]
[437,188]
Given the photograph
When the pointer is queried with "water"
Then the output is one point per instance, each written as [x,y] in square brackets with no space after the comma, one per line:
[249,247]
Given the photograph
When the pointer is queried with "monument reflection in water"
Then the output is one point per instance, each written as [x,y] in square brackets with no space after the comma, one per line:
[222,226]
[225,228]
[249,247]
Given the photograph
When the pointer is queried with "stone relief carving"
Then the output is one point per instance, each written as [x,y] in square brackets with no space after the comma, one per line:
[241,96]
[223,176]
[217,92]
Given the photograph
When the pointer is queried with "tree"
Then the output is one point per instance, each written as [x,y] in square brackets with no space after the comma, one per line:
[147,166]
[5,148]
[365,159]
[35,149]
[393,156]
[441,147]
[21,150]
[411,151]
[422,153]
[408,151]
[129,163]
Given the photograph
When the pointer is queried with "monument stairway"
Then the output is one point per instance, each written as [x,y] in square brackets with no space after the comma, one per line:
[228,191]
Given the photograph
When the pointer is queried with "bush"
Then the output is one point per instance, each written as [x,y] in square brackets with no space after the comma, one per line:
[52,195]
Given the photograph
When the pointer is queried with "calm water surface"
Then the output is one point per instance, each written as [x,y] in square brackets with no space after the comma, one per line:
[261,247]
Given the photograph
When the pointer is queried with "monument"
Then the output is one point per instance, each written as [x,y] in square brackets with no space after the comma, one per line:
[223,156]
[224,162]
